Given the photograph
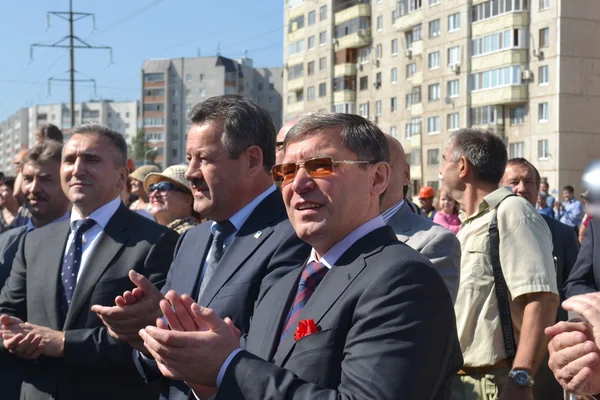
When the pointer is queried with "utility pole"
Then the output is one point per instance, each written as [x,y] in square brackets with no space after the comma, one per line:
[74,43]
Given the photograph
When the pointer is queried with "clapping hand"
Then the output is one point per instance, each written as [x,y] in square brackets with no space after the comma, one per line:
[29,341]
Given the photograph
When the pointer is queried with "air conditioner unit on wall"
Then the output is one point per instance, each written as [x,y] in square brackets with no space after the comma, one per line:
[376,63]
[537,53]
[408,53]
[527,75]
[455,68]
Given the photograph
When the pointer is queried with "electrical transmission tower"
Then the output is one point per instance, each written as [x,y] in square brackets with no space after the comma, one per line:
[74,43]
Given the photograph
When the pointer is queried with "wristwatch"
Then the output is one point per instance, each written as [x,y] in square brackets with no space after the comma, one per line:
[521,378]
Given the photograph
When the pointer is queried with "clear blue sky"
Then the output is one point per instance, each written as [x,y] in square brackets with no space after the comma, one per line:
[136,30]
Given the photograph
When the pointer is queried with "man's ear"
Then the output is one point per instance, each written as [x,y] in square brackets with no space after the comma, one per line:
[254,155]
[381,178]
[464,167]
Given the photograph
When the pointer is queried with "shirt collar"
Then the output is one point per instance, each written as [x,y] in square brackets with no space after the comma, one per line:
[390,212]
[333,255]
[31,227]
[102,215]
[491,201]
[239,218]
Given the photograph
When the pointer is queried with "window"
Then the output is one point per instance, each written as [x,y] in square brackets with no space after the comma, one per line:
[395,47]
[414,157]
[156,77]
[505,76]
[434,92]
[393,131]
[413,36]
[154,121]
[344,83]
[380,23]
[434,28]
[545,37]
[154,92]
[544,4]
[453,121]
[363,110]
[323,13]
[188,92]
[310,93]
[272,86]
[434,59]
[323,38]
[188,77]
[357,25]
[154,107]
[311,18]
[516,150]
[378,80]
[413,128]
[543,112]
[126,115]
[433,125]
[394,104]
[322,89]
[506,39]
[453,88]
[174,122]
[434,2]
[394,74]
[543,149]
[414,97]
[543,75]
[202,92]
[486,115]
[378,51]
[299,96]
[296,47]
[411,69]
[298,70]
[517,115]
[295,71]
[378,108]
[453,22]
[433,157]
[296,23]
[409,6]
[322,63]
[364,55]
[363,83]
[311,42]
[454,55]
[493,8]
[310,68]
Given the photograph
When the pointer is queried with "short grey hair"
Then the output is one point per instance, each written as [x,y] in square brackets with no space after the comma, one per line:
[46,150]
[114,137]
[358,135]
[244,122]
[485,151]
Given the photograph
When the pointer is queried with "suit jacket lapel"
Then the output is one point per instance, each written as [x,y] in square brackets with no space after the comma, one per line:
[401,222]
[110,242]
[55,243]
[251,235]
[191,284]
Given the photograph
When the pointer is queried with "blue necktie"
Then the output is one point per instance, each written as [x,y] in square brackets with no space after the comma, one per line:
[217,249]
[72,263]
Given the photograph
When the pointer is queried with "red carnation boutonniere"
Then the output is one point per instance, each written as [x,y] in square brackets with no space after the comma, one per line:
[305,327]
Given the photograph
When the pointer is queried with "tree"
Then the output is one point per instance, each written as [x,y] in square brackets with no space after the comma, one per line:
[139,149]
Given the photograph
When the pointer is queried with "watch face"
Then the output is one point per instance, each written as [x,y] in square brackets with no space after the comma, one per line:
[521,378]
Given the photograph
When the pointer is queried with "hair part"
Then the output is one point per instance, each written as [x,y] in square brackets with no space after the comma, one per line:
[522,162]
[245,124]
[45,151]
[485,151]
[114,137]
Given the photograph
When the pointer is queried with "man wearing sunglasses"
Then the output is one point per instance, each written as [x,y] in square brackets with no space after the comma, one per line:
[247,245]
[366,317]
[279,152]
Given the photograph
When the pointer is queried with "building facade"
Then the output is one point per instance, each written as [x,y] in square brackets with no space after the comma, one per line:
[421,69]
[17,132]
[171,87]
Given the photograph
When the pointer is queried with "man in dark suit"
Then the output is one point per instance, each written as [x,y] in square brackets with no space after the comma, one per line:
[63,268]
[231,149]
[40,187]
[366,317]
[585,276]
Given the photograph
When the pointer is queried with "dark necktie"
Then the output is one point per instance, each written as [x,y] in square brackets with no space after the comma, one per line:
[222,231]
[311,276]
[72,262]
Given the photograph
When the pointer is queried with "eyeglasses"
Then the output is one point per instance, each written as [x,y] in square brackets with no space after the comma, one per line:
[316,167]
[164,187]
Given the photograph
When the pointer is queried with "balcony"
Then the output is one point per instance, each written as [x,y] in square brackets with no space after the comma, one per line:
[416,109]
[501,22]
[344,96]
[503,95]
[296,11]
[296,35]
[417,48]
[154,99]
[407,21]
[416,79]
[345,69]
[295,84]
[498,59]
[355,40]
[348,14]
[150,85]
[498,129]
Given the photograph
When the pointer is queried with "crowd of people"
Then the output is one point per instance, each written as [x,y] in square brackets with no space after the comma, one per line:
[291,265]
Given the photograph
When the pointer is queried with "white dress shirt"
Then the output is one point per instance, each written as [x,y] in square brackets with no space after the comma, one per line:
[92,236]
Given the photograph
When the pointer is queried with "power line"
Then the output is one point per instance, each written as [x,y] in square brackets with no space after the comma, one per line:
[127,18]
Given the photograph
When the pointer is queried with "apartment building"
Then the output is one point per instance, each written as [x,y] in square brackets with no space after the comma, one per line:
[18,130]
[421,69]
[171,87]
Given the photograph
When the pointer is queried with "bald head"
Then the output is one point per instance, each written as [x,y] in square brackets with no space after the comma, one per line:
[400,174]
[279,153]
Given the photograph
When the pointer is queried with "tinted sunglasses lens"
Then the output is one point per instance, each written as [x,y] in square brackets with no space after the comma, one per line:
[161,187]
[288,172]
[276,173]
[318,167]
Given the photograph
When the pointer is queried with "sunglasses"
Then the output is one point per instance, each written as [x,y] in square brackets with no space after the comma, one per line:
[316,167]
[164,187]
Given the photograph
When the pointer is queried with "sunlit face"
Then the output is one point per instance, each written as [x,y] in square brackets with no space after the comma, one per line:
[168,205]
[5,193]
[426,203]
[541,201]
[450,174]
[324,210]
[42,191]
[89,175]
[447,203]
[544,187]
[136,187]
[215,177]
[522,181]
[567,195]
